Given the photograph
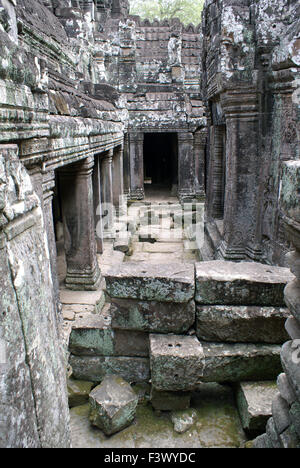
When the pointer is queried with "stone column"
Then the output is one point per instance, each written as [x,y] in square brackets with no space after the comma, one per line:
[79,225]
[48,186]
[126,166]
[107,193]
[186,167]
[118,178]
[199,148]
[97,205]
[136,142]
[216,186]
[242,236]
[44,184]
[283,429]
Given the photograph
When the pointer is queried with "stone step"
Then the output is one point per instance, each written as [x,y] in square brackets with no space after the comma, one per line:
[254,401]
[154,282]
[95,368]
[241,324]
[93,336]
[152,316]
[229,283]
[179,363]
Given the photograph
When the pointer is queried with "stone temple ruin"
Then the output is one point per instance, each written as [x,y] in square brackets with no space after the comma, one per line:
[109,126]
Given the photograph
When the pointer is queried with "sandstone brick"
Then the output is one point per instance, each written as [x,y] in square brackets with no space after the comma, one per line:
[229,283]
[162,283]
[240,324]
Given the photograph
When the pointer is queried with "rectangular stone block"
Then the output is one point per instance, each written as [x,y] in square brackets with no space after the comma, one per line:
[152,316]
[240,362]
[94,368]
[177,362]
[93,336]
[229,283]
[153,282]
[241,324]
[254,400]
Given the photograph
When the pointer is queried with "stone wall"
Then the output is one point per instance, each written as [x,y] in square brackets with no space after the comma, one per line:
[251,68]
[283,429]
[33,403]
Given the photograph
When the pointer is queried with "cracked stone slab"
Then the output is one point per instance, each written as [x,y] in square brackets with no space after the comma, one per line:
[154,282]
[229,283]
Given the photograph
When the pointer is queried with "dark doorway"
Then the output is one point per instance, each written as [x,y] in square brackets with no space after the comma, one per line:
[161,160]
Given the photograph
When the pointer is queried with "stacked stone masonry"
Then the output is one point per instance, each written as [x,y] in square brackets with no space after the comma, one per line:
[85,89]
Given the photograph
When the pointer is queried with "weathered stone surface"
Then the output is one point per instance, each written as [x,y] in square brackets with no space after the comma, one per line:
[93,336]
[183,420]
[133,370]
[254,401]
[241,324]
[285,389]
[177,362]
[231,283]
[240,362]
[78,392]
[152,316]
[163,283]
[33,395]
[290,363]
[281,415]
[113,405]
[170,401]
[292,293]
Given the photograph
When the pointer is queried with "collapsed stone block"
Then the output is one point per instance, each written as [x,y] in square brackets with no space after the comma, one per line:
[163,283]
[254,400]
[113,405]
[229,283]
[177,362]
[152,316]
[241,324]
[78,392]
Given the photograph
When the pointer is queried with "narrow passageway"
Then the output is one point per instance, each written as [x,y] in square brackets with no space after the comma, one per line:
[161,161]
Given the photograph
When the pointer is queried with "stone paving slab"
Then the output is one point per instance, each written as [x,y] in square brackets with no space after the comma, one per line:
[158,282]
[229,283]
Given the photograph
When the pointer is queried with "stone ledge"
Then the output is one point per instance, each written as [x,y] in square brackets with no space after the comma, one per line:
[241,324]
[229,283]
[153,282]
